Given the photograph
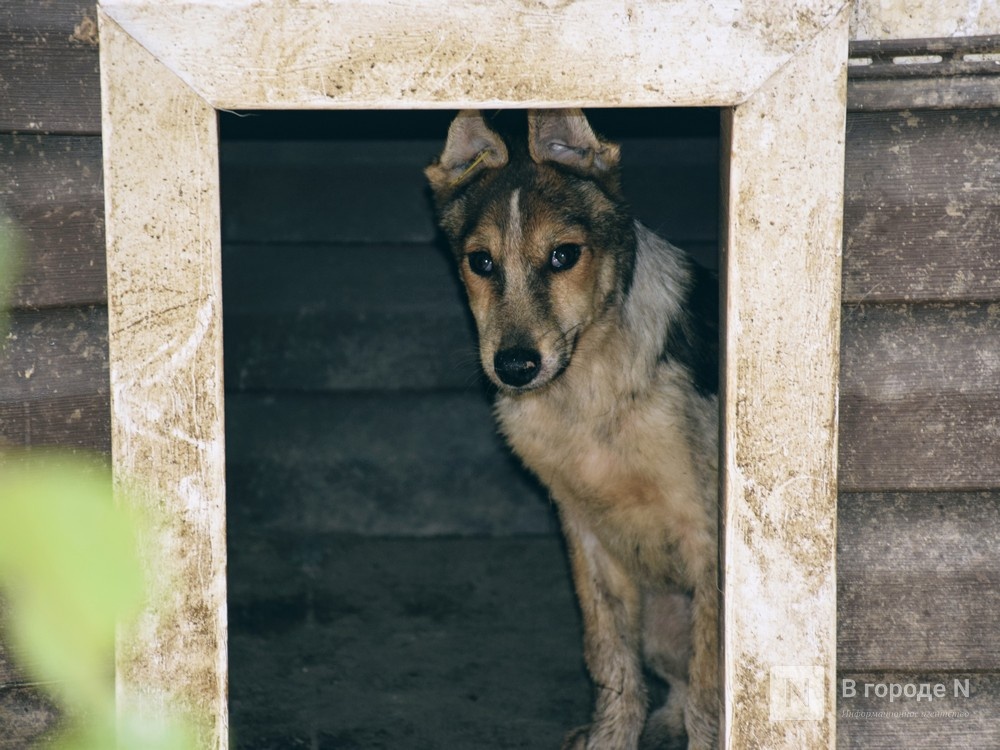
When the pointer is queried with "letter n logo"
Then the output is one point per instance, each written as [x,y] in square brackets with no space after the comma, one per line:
[797,693]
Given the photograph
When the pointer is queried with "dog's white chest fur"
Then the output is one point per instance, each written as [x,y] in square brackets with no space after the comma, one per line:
[627,473]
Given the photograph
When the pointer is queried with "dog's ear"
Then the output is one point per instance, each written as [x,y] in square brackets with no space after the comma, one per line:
[470,148]
[565,136]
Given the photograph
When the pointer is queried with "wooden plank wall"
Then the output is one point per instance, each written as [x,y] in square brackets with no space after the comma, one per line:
[53,356]
[918,574]
[920,401]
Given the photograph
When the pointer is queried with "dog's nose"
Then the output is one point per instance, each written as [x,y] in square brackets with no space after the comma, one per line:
[517,367]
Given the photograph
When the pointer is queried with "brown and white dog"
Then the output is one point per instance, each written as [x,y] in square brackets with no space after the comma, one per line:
[601,340]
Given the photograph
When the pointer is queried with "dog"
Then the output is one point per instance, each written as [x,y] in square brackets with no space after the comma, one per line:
[601,340]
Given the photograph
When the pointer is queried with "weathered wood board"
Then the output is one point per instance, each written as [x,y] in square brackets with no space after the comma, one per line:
[379,464]
[49,78]
[920,397]
[54,379]
[165,355]
[920,19]
[25,716]
[51,189]
[404,643]
[918,582]
[359,189]
[922,206]
[347,317]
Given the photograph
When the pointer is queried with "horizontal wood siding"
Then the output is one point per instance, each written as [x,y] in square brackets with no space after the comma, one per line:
[922,206]
[53,354]
[383,464]
[51,190]
[363,190]
[26,715]
[920,419]
[444,643]
[49,79]
[920,397]
[345,317]
[918,582]
[54,389]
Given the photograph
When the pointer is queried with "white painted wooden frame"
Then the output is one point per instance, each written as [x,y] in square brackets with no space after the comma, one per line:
[778,66]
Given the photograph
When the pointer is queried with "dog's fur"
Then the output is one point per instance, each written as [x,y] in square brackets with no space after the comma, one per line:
[605,365]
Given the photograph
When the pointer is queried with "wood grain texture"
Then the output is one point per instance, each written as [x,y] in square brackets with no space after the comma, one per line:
[922,19]
[357,189]
[337,318]
[920,397]
[379,464]
[54,379]
[52,191]
[952,93]
[415,644]
[25,716]
[778,403]
[165,353]
[49,78]
[918,582]
[921,212]
[392,55]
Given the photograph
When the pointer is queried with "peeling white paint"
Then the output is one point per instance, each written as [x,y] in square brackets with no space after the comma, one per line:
[779,522]
[918,19]
[316,55]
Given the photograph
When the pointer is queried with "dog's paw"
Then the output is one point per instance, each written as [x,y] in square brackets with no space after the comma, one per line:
[702,727]
[576,739]
[664,730]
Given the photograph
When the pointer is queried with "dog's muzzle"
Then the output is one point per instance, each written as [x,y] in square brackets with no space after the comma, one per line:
[517,367]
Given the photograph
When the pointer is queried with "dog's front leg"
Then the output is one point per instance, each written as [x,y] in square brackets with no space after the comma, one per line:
[611,607]
[702,711]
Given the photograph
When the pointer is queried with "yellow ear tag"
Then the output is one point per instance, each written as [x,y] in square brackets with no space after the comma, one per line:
[482,155]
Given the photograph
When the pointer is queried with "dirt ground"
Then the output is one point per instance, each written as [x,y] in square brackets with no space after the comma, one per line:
[445,643]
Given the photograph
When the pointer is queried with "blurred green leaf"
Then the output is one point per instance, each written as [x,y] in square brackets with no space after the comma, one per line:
[9,264]
[70,573]
[68,567]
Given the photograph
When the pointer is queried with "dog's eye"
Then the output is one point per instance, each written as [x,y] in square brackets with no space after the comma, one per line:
[481,262]
[564,257]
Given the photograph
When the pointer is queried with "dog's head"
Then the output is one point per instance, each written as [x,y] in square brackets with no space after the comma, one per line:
[544,241]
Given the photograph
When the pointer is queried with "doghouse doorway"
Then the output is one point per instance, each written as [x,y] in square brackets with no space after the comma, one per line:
[168,68]
[395,579]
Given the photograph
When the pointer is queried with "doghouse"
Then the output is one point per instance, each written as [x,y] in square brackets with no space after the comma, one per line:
[165,307]
[780,85]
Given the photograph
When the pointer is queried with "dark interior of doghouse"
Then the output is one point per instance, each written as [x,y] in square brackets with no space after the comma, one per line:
[396,580]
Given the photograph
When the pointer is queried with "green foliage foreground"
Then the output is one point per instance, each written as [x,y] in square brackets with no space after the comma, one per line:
[70,573]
